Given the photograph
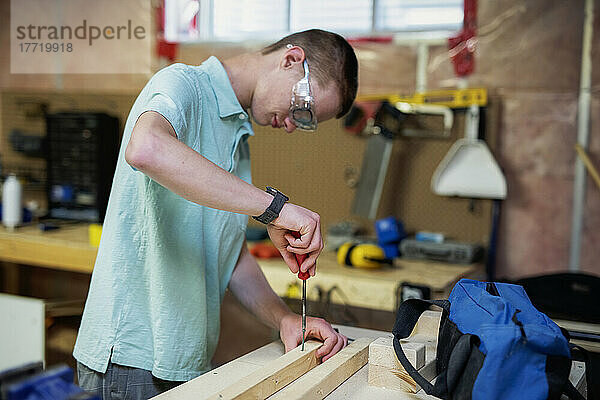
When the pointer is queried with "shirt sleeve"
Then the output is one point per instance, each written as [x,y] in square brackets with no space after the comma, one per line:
[172,94]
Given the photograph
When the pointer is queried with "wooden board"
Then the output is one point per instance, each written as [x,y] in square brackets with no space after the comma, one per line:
[381,352]
[390,374]
[322,380]
[583,327]
[398,378]
[428,324]
[386,371]
[274,375]
[354,388]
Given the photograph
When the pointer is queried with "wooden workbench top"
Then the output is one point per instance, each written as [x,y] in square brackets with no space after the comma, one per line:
[66,248]
[376,289]
[434,274]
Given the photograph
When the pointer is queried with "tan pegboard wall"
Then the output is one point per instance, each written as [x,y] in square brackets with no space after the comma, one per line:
[14,117]
[23,111]
[407,193]
[310,168]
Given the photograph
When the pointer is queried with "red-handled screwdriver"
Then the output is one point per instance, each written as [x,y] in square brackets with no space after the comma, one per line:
[303,276]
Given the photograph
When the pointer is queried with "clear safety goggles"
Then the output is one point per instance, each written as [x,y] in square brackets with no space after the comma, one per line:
[302,105]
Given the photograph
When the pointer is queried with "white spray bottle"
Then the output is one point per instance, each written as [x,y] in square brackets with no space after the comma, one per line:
[12,198]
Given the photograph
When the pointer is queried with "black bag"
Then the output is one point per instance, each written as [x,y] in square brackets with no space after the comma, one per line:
[492,344]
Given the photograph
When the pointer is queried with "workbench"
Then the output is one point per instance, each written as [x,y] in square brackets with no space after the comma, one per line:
[68,249]
[64,249]
[356,387]
[377,289]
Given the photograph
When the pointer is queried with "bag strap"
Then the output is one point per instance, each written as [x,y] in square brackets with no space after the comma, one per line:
[589,377]
[572,393]
[408,314]
[569,390]
[459,358]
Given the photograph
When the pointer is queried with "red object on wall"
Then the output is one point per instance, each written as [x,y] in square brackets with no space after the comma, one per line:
[166,49]
[356,121]
[462,46]
[163,48]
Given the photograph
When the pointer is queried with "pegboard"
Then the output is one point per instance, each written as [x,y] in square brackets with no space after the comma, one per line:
[309,167]
[24,111]
[312,168]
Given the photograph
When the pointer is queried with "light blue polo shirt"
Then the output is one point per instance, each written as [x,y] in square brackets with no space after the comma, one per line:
[164,262]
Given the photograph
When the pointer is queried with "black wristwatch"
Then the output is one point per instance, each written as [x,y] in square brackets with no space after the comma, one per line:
[272,212]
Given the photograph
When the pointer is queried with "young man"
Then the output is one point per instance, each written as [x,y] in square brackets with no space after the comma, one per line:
[173,237]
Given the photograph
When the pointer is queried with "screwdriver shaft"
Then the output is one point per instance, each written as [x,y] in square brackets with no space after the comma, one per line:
[303,276]
[303,312]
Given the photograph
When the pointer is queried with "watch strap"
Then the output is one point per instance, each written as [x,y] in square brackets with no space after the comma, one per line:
[272,212]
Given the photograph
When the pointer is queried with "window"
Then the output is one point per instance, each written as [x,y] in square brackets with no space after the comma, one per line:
[235,20]
[249,19]
[341,16]
[418,15]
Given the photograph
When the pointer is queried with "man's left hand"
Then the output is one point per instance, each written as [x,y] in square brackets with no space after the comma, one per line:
[290,331]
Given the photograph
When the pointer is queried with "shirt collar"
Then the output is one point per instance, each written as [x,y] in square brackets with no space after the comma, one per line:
[226,99]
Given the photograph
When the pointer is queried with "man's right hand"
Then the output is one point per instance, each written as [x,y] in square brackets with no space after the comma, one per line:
[308,223]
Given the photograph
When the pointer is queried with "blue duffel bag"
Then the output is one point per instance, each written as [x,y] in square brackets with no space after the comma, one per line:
[492,344]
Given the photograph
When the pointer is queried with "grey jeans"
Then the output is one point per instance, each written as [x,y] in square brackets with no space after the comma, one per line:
[122,383]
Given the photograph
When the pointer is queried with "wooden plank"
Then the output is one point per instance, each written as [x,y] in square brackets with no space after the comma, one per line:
[428,324]
[354,387]
[577,326]
[273,376]
[584,327]
[381,352]
[387,372]
[221,377]
[322,380]
[398,378]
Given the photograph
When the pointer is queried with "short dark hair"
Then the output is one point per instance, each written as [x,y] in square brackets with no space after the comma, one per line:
[330,58]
